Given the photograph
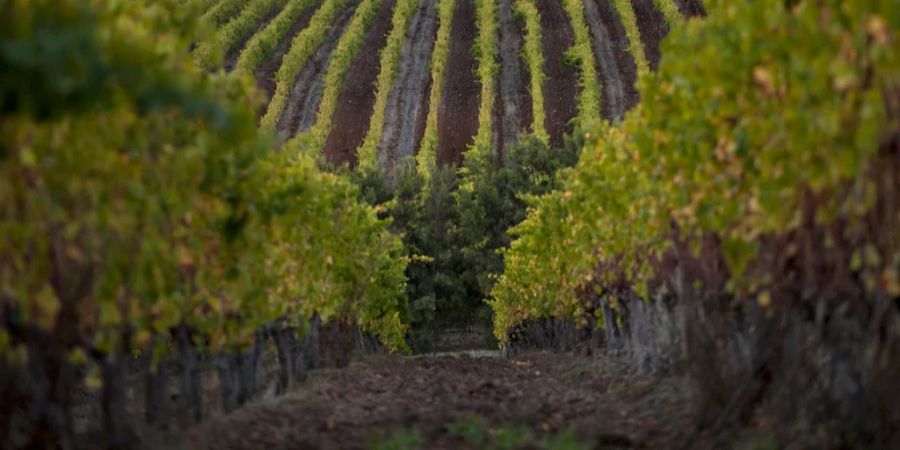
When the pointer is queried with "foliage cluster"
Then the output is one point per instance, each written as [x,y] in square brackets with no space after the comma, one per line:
[138,195]
[731,150]
[452,236]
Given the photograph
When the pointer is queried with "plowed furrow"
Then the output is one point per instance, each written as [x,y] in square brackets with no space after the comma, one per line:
[265,74]
[357,97]
[614,102]
[303,102]
[561,85]
[406,108]
[458,113]
[514,103]
[653,28]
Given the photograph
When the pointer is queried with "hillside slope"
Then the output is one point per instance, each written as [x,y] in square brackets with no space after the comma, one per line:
[410,40]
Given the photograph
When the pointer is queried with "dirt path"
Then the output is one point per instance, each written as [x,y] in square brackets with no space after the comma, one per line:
[406,111]
[561,84]
[458,113]
[512,113]
[353,407]
[357,97]
[613,71]
[303,101]
[652,26]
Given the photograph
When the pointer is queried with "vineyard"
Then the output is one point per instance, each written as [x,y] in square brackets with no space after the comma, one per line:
[629,223]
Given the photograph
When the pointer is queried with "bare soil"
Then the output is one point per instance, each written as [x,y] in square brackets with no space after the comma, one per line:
[407,106]
[561,85]
[691,8]
[265,74]
[306,93]
[652,26]
[357,97]
[458,112]
[513,113]
[616,66]
[353,407]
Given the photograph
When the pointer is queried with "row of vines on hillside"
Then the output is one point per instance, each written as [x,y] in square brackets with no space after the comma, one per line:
[236,30]
[426,158]
[261,46]
[145,215]
[486,53]
[583,54]
[635,45]
[302,48]
[390,58]
[224,11]
[533,53]
[341,59]
[669,10]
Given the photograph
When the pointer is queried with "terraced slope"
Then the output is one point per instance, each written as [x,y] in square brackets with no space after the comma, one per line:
[409,79]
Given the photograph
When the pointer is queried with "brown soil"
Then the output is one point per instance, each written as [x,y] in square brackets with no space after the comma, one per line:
[691,8]
[652,26]
[458,113]
[407,103]
[512,113]
[561,85]
[351,408]
[422,118]
[624,60]
[357,97]
[265,74]
[303,100]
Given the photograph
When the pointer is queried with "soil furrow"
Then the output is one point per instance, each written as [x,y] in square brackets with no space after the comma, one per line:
[303,102]
[265,75]
[652,25]
[691,8]
[458,113]
[407,104]
[561,85]
[615,101]
[619,44]
[357,97]
[513,113]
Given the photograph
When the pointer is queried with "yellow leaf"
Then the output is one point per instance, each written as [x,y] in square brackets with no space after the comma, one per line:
[878,29]
[764,299]
[93,382]
[763,78]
